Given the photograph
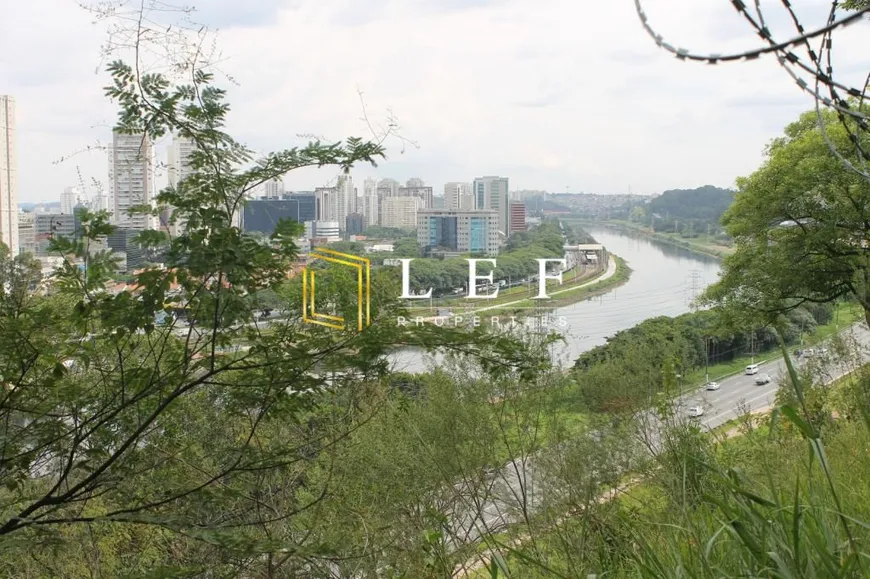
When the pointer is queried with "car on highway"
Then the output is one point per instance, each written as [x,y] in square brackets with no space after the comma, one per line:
[762,379]
[695,410]
[712,385]
[752,369]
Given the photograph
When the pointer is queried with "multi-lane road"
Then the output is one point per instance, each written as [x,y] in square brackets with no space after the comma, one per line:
[740,393]
[513,490]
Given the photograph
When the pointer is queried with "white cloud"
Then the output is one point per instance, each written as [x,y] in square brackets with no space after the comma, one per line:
[550,93]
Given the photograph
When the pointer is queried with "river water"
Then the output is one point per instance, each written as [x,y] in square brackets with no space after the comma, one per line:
[663,280]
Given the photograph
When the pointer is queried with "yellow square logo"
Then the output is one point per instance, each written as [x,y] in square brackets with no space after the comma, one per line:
[363,279]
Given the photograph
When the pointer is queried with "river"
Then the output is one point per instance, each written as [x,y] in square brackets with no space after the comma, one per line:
[663,280]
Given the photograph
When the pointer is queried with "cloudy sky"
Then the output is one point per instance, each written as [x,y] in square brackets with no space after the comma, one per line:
[551,93]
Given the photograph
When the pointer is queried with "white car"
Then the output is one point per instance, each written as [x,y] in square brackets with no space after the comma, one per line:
[696,410]
[762,379]
[712,385]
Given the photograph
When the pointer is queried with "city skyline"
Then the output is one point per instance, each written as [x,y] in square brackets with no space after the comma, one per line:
[569,116]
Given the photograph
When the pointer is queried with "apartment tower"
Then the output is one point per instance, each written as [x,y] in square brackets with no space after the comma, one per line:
[8,175]
[130,173]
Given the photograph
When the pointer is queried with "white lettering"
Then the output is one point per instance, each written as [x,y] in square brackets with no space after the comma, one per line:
[457,320]
[418,321]
[476,321]
[543,277]
[400,321]
[406,282]
[494,321]
[439,321]
[473,278]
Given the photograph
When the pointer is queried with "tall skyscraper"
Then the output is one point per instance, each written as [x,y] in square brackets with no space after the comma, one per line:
[179,169]
[370,206]
[491,193]
[458,196]
[336,203]
[69,199]
[179,160]
[130,172]
[8,175]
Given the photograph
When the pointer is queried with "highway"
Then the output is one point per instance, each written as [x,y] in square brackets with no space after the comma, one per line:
[736,392]
[513,490]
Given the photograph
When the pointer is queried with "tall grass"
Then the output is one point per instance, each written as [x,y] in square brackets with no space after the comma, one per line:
[783,501]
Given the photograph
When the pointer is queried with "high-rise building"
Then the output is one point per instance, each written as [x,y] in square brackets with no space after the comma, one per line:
[457,195]
[335,203]
[102,201]
[401,212]
[69,199]
[491,193]
[130,172]
[48,225]
[449,231]
[386,188]
[422,192]
[123,242]
[263,214]
[354,224]
[179,168]
[369,202]
[27,232]
[518,217]
[8,175]
[274,188]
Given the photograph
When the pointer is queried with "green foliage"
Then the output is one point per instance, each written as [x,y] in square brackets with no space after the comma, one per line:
[705,203]
[378,232]
[193,446]
[687,212]
[799,224]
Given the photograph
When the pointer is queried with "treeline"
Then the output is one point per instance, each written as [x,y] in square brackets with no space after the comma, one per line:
[663,348]
[686,212]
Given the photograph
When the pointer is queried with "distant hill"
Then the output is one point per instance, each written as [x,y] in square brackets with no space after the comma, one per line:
[707,203]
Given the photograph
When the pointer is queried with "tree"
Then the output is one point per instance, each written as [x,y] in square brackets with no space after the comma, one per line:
[203,433]
[800,223]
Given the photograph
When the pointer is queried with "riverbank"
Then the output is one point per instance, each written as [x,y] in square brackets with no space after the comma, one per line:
[616,276]
[701,244]
[581,289]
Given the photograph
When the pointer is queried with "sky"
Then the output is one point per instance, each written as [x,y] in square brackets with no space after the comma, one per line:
[557,95]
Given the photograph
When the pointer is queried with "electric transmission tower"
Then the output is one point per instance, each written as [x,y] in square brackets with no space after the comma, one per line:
[694,282]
